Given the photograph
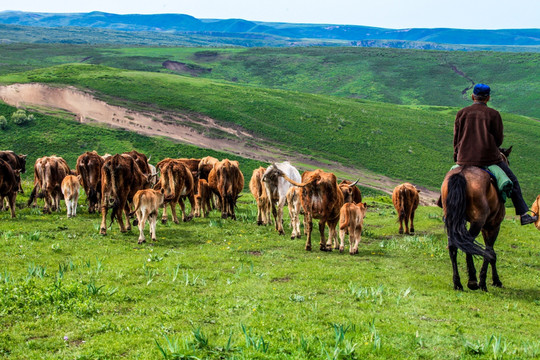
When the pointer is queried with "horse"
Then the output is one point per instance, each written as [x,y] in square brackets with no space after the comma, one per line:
[469,195]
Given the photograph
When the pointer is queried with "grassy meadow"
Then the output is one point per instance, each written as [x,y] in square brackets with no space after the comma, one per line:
[224,289]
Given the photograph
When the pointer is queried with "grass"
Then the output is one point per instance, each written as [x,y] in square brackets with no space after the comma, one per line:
[357,133]
[214,288]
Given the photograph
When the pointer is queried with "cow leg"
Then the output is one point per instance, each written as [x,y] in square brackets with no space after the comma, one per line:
[357,237]
[103,226]
[173,211]
[279,221]
[400,225]
[164,216]
[192,205]
[342,234]
[406,220]
[183,209]
[293,223]
[308,228]
[412,222]
[2,206]
[332,233]
[127,210]
[118,214]
[452,250]
[259,212]
[275,215]
[153,220]
[141,217]
[324,245]
[11,200]
[74,204]
[68,207]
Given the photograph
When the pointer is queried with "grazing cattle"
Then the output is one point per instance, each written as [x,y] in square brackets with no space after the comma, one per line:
[351,194]
[89,169]
[321,199]
[193,166]
[405,198]
[205,166]
[9,184]
[70,188]
[257,188]
[17,162]
[226,181]
[141,160]
[293,203]
[177,182]
[535,208]
[121,178]
[49,171]
[351,221]
[202,199]
[277,187]
[147,203]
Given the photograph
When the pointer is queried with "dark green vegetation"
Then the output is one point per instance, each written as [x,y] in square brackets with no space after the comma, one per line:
[217,288]
[403,142]
[408,77]
[240,32]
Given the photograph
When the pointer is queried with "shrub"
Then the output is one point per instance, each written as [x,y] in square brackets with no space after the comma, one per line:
[19,117]
[3,122]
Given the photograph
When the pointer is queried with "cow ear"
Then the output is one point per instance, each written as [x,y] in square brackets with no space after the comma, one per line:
[365,204]
[24,156]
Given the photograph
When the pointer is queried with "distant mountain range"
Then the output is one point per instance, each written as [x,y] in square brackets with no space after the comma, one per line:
[276,34]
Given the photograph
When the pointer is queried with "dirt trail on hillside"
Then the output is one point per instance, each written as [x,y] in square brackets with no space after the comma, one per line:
[187,129]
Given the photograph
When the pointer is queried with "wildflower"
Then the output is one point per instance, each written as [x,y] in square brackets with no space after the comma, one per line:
[66,338]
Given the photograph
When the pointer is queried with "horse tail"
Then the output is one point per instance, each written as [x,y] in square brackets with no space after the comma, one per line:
[456,217]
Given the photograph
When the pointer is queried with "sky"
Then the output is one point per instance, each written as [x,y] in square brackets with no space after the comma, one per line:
[394,14]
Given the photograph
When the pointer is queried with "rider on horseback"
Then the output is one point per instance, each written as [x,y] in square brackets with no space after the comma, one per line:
[478,134]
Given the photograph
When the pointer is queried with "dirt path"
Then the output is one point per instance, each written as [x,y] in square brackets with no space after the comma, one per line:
[87,109]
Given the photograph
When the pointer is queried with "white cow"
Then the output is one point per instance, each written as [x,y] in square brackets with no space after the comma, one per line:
[70,188]
[277,187]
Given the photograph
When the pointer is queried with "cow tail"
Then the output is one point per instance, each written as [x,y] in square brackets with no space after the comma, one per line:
[455,220]
[345,224]
[404,203]
[170,178]
[137,203]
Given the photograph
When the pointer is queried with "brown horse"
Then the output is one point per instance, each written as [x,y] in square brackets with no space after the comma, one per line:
[468,195]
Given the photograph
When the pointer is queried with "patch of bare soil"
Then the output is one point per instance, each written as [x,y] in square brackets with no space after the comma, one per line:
[191,129]
[185,68]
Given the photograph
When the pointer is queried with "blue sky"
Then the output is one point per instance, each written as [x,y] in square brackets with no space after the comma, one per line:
[395,14]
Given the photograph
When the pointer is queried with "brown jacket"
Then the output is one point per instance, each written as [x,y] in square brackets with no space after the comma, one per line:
[478,134]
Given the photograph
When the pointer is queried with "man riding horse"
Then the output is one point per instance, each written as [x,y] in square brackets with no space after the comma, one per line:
[478,134]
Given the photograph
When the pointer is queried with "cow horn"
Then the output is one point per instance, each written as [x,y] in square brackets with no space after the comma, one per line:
[293,182]
[354,183]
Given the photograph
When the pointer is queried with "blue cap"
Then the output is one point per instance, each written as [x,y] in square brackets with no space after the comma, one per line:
[481,90]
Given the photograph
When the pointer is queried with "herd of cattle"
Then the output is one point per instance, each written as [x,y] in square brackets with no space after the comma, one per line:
[128,185]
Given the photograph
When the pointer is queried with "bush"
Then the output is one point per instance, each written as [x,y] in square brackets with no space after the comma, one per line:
[3,122]
[19,117]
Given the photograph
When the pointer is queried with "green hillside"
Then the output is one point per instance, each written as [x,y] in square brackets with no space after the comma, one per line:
[411,143]
[408,77]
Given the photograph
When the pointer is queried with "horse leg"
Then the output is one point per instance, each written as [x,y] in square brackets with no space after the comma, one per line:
[490,235]
[473,281]
[453,257]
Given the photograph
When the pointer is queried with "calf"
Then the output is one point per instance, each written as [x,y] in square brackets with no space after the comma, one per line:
[9,184]
[256,186]
[405,198]
[321,199]
[70,188]
[202,199]
[147,203]
[277,187]
[293,203]
[351,220]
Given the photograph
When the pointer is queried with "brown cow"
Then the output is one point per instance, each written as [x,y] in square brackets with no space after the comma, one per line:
[141,160]
[147,203]
[535,208]
[321,199]
[405,198]
[227,181]
[205,166]
[17,162]
[9,184]
[49,171]
[202,199]
[177,182]
[351,221]
[256,186]
[193,166]
[89,169]
[293,203]
[121,178]
[351,194]
[70,188]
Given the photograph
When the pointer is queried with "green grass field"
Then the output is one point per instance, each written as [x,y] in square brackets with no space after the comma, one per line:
[214,288]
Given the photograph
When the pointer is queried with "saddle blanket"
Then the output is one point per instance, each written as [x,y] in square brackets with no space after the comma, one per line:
[504,184]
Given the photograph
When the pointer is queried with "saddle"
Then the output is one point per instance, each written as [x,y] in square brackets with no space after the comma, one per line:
[499,178]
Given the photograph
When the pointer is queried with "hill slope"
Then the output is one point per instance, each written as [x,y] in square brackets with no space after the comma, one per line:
[396,141]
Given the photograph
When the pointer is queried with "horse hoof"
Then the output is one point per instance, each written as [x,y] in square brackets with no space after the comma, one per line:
[473,286]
